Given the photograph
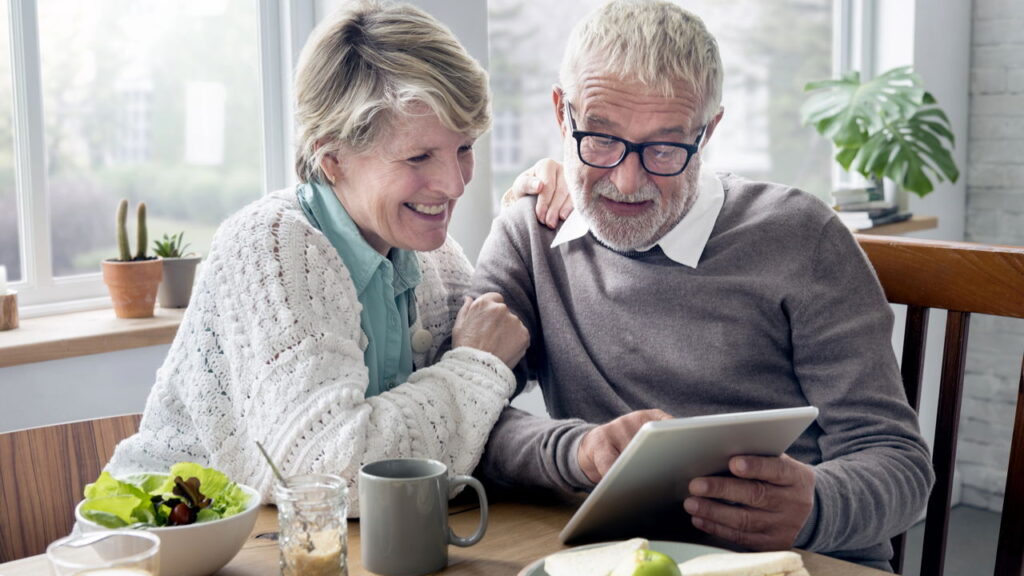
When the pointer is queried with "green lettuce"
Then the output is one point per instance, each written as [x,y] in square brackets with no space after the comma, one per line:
[116,503]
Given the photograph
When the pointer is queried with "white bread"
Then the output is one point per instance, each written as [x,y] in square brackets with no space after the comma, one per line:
[747,564]
[597,561]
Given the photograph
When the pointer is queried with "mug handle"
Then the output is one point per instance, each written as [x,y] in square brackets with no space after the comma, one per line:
[479,488]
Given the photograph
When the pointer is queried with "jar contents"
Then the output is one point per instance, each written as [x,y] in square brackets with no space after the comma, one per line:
[323,554]
[311,512]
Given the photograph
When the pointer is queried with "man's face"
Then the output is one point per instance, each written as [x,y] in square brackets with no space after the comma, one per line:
[627,207]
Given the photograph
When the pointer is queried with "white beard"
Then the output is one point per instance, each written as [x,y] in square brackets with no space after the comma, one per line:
[629,232]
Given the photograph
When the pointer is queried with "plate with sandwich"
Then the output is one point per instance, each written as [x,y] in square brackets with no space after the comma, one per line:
[632,558]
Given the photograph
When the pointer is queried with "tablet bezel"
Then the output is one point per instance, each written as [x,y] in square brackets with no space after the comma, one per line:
[654,470]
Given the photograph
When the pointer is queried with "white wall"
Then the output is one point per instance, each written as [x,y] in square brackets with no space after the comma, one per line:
[77,388]
[939,47]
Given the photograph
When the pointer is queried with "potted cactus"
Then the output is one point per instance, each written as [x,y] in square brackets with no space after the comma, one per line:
[132,280]
[179,270]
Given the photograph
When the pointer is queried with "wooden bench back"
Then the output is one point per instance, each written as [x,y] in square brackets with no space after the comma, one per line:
[42,474]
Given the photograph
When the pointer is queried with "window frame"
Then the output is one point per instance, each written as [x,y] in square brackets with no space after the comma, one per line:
[282,28]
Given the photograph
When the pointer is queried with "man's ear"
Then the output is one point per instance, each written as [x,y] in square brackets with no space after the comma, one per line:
[712,124]
[557,95]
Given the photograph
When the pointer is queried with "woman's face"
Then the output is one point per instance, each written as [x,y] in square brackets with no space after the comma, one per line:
[401,192]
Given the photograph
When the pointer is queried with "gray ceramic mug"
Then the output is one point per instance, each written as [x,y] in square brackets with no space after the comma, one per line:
[403,516]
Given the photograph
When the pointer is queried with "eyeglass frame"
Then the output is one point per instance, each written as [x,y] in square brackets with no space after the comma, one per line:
[579,135]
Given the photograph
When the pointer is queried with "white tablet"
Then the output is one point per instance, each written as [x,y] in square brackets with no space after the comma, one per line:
[651,476]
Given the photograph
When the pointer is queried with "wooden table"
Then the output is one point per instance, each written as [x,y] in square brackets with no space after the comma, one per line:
[518,534]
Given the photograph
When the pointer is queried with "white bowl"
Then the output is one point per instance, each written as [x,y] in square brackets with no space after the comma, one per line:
[197,549]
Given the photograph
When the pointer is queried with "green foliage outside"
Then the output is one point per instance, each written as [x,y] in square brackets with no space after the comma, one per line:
[90,53]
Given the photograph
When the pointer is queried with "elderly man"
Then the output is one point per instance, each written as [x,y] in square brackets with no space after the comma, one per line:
[674,291]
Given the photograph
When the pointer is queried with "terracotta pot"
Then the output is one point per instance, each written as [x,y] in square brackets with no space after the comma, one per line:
[176,288]
[133,286]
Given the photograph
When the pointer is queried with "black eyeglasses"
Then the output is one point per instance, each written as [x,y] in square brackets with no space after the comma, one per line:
[607,151]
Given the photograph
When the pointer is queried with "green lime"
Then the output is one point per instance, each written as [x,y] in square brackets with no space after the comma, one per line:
[646,563]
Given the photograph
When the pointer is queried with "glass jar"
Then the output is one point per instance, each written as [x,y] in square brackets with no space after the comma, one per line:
[312,514]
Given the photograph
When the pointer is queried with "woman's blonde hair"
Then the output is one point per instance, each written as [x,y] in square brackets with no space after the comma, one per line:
[372,63]
[651,41]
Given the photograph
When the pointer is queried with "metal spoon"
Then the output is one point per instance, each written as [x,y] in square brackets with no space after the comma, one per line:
[309,546]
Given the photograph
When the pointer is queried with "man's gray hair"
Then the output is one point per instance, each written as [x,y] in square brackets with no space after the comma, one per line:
[370,64]
[651,41]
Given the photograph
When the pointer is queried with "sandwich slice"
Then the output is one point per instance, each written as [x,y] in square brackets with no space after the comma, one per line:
[597,561]
[746,564]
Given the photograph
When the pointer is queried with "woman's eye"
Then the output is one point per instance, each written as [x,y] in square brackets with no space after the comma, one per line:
[418,159]
[466,148]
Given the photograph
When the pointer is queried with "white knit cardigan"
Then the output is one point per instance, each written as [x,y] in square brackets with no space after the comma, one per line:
[271,350]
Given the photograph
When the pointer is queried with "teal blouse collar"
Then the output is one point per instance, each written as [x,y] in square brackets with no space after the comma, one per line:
[325,212]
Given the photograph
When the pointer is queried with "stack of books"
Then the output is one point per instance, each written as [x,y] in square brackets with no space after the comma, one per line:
[865,208]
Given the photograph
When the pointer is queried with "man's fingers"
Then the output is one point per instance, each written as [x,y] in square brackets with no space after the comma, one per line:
[739,518]
[753,493]
[777,470]
[604,460]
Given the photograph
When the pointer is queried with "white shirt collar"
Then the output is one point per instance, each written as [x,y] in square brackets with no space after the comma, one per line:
[685,242]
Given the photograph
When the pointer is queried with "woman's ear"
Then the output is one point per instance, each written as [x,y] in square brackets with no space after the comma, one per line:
[331,168]
[329,164]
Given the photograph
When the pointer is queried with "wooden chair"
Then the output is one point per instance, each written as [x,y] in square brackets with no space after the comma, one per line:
[42,474]
[962,278]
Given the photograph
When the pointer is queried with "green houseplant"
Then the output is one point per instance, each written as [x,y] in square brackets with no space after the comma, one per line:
[886,127]
[132,279]
[179,270]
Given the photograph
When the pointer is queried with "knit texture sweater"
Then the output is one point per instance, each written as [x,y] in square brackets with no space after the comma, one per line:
[271,350]
[782,310]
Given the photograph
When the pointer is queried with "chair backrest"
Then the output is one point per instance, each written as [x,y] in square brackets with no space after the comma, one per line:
[42,474]
[961,278]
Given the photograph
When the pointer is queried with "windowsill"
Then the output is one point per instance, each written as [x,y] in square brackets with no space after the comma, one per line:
[81,333]
[97,331]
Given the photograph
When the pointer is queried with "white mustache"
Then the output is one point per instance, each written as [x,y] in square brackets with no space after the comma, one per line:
[647,191]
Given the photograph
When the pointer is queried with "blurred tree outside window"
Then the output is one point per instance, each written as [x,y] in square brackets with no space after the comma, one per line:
[150,100]
[769,51]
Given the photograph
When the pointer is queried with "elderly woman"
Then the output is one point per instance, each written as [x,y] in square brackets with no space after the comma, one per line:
[329,322]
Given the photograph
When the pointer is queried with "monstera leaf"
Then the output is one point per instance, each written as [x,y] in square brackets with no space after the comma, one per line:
[887,127]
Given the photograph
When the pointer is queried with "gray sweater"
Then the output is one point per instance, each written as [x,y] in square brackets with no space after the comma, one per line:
[782,310]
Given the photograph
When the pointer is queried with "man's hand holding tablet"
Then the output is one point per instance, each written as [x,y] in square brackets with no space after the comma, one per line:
[646,458]
[763,508]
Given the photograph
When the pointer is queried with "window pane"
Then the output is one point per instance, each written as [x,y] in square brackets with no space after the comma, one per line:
[9,248]
[769,51]
[155,101]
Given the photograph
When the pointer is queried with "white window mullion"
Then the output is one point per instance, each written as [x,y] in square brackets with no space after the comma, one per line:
[284,26]
[30,149]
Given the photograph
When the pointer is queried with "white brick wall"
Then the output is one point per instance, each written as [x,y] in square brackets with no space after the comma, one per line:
[995,213]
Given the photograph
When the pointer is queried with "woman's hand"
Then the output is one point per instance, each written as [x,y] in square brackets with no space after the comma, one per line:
[487,324]
[544,179]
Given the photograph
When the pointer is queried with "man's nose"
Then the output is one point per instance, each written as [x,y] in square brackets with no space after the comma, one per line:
[629,175]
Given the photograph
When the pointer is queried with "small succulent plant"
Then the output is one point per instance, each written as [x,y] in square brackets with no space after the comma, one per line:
[170,246]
